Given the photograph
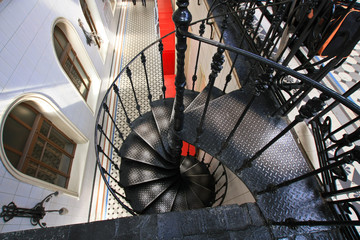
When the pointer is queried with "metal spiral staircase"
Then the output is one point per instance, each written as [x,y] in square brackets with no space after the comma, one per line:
[141,132]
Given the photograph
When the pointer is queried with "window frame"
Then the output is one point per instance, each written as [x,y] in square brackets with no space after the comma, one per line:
[26,158]
[64,57]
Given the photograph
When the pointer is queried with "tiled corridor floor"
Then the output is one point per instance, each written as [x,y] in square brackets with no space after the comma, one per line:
[136,32]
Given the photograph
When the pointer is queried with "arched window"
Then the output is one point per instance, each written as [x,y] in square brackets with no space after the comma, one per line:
[36,147]
[90,21]
[71,63]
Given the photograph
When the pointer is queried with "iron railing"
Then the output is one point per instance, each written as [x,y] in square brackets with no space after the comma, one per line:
[335,153]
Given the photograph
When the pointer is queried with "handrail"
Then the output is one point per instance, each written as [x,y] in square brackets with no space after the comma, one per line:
[331,93]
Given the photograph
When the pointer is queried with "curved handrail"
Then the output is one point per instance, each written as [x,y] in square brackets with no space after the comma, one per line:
[331,93]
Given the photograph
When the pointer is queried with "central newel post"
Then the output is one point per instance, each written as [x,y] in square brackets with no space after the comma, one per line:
[182,18]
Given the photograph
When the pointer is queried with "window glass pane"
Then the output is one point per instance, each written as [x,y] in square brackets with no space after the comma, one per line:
[58,48]
[45,127]
[13,157]
[64,164]
[46,175]
[62,41]
[52,156]
[15,135]
[74,76]
[24,113]
[60,180]
[82,72]
[38,149]
[61,141]
[31,168]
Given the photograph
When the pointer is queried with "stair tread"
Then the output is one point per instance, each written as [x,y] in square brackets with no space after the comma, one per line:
[206,195]
[180,203]
[142,195]
[189,97]
[256,130]
[192,199]
[161,110]
[191,166]
[136,149]
[133,173]
[205,180]
[201,98]
[146,128]
[165,201]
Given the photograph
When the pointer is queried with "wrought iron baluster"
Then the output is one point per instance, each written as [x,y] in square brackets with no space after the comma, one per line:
[223,27]
[114,179]
[161,49]
[270,35]
[339,192]
[201,32]
[221,176]
[182,18]
[143,61]
[116,90]
[203,157]
[228,77]
[342,127]
[346,140]
[129,74]
[100,150]
[216,67]
[211,160]
[106,108]
[99,127]
[347,94]
[310,109]
[353,155]
[260,21]
[217,167]
[260,86]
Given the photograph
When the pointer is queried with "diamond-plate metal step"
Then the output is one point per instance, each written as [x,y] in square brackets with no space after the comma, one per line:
[191,166]
[133,173]
[253,133]
[192,199]
[204,193]
[165,201]
[201,98]
[205,180]
[142,195]
[146,128]
[136,149]
[161,111]
[189,97]
[180,203]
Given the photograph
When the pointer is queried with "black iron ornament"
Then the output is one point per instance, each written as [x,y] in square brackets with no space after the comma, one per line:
[36,214]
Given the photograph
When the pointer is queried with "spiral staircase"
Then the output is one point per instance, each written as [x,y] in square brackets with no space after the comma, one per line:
[141,133]
[147,171]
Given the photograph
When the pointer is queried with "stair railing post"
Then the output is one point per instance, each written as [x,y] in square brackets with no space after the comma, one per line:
[182,18]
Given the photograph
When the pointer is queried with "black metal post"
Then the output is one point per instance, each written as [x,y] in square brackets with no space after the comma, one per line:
[161,49]
[182,18]
[143,61]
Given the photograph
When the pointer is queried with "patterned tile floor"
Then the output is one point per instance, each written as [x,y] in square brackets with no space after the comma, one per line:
[137,32]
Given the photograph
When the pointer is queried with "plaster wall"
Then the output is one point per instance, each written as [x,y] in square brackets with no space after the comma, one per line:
[29,67]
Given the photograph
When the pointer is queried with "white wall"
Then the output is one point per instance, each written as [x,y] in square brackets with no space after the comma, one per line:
[28,64]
